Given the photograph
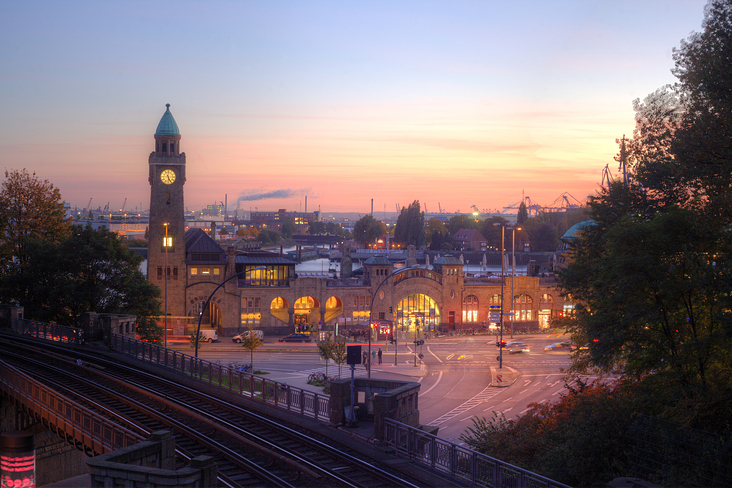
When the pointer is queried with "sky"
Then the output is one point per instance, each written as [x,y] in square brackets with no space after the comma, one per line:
[453,103]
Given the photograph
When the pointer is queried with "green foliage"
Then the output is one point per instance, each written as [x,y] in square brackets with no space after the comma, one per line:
[437,234]
[457,222]
[316,228]
[251,342]
[339,353]
[367,230]
[30,208]
[579,440]
[325,349]
[410,226]
[288,228]
[523,213]
[90,270]
[267,236]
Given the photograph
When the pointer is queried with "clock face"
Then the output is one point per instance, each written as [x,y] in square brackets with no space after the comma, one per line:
[167,176]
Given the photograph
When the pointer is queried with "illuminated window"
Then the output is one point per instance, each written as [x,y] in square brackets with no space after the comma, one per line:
[168,241]
[470,309]
[194,271]
[205,271]
[216,271]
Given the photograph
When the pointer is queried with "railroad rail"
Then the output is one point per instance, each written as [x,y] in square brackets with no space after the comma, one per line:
[241,441]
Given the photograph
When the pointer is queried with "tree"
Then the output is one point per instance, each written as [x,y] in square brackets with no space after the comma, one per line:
[288,228]
[410,226]
[339,353]
[458,222]
[316,228]
[366,230]
[29,208]
[325,349]
[251,342]
[523,213]
[90,270]
[490,228]
[436,234]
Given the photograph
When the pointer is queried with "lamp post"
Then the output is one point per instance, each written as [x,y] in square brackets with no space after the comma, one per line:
[503,279]
[200,314]
[165,279]
[513,271]
[371,311]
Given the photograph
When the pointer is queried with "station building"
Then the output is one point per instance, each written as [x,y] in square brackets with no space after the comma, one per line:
[262,290]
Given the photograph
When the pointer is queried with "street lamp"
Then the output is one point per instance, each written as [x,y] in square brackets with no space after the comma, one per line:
[165,278]
[513,270]
[503,279]
[200,316]
[371,311]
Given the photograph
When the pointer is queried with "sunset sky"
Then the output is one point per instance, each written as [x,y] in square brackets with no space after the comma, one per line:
[456,103]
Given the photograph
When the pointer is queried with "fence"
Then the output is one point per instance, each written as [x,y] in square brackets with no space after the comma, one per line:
[281,395]
[90,432]
[51,332]
[460,462]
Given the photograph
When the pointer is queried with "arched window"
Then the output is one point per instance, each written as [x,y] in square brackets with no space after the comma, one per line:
[495,299]
[522,307]
[470,309]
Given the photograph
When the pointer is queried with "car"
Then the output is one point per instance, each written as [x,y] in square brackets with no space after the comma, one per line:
[295,338]
[557,347]
[516,347]
[238,338]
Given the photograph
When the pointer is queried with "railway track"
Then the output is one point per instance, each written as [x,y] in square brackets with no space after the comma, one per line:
[250,449]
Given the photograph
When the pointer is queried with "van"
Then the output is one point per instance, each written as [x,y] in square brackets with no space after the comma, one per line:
[238,338]
[209,335]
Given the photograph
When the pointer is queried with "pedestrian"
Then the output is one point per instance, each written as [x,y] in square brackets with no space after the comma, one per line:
[380,355]
[373,355]
[365,358]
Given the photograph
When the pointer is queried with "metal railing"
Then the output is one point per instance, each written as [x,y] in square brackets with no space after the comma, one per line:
[460,462]
[51,332]
[281,395]
[90,432]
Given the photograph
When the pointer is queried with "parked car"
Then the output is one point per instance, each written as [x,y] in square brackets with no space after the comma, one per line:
[557,347]
[238,338]
[516,347]
[295,338]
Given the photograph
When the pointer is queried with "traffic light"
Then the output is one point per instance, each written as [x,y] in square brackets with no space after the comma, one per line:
[391,310]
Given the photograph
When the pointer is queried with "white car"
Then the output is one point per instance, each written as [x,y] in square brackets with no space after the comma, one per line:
[238,338]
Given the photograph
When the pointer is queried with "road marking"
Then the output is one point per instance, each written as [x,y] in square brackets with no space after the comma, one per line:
[558,392]
[435,355]
[467,418]
[449,357]
[523,411]
[488,393]
[527,382]
[436,382]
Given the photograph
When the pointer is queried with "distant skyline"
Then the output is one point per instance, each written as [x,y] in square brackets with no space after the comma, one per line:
[452,103]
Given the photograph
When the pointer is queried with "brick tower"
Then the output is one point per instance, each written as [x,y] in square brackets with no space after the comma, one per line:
[167,177]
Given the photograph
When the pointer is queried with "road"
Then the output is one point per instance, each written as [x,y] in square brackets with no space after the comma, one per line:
[454,374]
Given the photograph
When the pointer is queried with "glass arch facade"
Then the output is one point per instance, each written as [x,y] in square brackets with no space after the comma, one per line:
[417,310]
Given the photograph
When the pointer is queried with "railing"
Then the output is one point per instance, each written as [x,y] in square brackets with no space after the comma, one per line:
[91,432]
[51,332]
[281,395]
[448,457]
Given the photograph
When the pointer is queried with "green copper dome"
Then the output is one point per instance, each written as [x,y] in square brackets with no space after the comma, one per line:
[167,125]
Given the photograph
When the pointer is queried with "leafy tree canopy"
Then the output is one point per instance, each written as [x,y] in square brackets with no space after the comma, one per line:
[367,229]
[29,208]
[410,226]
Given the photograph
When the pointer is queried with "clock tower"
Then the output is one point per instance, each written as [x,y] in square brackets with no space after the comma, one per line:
[166,253]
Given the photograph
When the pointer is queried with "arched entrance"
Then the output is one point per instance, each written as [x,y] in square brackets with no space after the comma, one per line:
[212,316]
[546,307]
[279,309]
[307,313]
[417,311]
[333,308]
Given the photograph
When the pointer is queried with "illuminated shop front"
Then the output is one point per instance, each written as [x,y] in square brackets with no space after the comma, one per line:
[417,310]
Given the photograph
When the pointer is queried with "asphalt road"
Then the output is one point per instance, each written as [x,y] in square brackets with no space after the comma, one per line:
[455,374]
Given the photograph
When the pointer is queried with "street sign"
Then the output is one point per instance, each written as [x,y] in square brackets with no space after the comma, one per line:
[495,316]
[495,307]
[499,379]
